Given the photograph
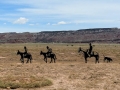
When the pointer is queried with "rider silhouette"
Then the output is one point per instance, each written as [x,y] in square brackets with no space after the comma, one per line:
[90,49]
[49,51]
[25,48]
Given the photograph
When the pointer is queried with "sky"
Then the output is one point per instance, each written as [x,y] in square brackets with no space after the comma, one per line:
[56,15]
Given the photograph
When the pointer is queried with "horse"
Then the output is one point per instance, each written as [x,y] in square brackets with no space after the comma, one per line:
[45,54]
[108,59]
[86,55]
[23,55]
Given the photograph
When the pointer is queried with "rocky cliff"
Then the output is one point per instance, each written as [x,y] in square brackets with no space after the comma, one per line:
[99,35]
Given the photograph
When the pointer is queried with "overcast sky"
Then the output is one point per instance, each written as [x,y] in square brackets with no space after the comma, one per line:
[54,15]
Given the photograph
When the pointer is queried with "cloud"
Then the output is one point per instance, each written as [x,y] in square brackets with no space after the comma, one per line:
[62,23]
[44,10]
[21,20]
[85,21]
[71,8]
[73,13]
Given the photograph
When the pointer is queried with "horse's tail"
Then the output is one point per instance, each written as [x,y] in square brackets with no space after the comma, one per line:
[97,55]
[55,56]
[31,57]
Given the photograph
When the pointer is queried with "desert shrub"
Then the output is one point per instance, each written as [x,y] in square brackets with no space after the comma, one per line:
[23,82]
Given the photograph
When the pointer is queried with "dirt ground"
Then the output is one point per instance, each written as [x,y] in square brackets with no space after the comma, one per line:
[70,72]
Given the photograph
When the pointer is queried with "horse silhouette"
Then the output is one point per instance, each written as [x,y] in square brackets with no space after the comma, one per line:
[23,55]
[86,55]
[52,56]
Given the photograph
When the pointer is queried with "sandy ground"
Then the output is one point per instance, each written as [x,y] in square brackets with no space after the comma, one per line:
[69,75]
[70,72]
[2,57]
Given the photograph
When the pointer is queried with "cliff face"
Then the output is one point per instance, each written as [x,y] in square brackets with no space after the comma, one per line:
[100,35]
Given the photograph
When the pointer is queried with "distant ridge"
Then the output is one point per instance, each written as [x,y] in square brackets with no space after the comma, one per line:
[98,35]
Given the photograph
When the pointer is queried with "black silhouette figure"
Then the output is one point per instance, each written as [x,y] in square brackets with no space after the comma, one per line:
[90,49]
[22,54]
[25,48]
[49,51]
[51,55]
[86,55]
[108,59]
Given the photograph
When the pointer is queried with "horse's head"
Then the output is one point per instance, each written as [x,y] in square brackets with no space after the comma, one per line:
[41,53]
[18,52]
[79,50]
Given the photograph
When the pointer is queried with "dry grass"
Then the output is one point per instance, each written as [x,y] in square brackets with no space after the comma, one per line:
[68,73]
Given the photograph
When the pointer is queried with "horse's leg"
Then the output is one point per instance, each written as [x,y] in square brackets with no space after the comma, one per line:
[97,59]
[46,59]
[27,60]
[54,60]
[22,60]
[51,60]
[30,61]
[107,61]
[85,60]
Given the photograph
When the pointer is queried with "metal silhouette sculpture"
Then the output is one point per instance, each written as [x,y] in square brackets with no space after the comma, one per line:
[52,56]
[108,59]
[90,49]
[28,56]
[89,53]
[25,48]
[25,55]
[48,54]
[49,51]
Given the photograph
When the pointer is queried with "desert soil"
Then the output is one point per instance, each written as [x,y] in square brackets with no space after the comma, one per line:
[70,72]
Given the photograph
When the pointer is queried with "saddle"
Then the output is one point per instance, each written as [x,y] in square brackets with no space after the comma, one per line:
[48,54]
[26,54]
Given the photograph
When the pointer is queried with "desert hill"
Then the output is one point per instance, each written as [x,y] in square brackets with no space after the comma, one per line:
[99,35]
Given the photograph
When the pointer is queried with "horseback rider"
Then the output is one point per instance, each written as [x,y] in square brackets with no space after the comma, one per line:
[90,49]
[25,48]
[49,51]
